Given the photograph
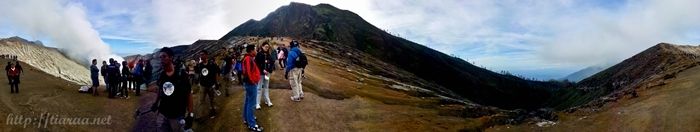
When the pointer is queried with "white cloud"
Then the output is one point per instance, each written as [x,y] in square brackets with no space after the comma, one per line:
[63,23]
[550,34]
[600,36]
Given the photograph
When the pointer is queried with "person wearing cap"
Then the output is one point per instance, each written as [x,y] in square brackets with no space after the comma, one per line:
[296,72]
[174,99]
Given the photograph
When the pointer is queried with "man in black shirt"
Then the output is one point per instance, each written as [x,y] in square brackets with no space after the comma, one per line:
[207,71]
[174,94]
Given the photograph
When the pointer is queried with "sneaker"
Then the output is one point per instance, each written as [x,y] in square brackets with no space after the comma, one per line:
[218,93]
[269,104]
[257,107]
[212,114]
[296,99]
[256,128]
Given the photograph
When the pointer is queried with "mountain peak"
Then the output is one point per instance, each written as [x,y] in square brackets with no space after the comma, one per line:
[23,41]
[450,75]
[648,65]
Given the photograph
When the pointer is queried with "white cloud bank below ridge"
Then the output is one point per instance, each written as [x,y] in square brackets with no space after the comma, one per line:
[532,37]
[64,24]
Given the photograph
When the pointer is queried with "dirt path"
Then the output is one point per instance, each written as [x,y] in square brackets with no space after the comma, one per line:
[41,93]
[6,97]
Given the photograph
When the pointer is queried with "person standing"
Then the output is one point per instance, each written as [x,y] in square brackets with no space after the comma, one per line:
[104,74]
[174,99]
[296,62]
[281,56]
[207,71]
[273,55]
[138,77]
[265,65]
[148,72]
[251,76]
[13,74]
[227,71]
[7,72]
[94,71]
[113,77]
[126,77]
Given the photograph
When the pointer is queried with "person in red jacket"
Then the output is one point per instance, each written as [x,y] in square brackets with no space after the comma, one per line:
[13,73]
[251,76]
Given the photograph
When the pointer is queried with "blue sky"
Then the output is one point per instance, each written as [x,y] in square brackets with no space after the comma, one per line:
[542,39]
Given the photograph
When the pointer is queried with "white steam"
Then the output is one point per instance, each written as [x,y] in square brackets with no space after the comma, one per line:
[64,24]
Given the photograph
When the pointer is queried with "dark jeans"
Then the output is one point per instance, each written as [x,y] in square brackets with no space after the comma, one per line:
[251,93]
[240,77]
[282,63]
[124,89]
[138,80]
[208,94]
[14,84]
[112,88]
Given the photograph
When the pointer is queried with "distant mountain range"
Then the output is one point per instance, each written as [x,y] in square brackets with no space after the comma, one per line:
[584,73]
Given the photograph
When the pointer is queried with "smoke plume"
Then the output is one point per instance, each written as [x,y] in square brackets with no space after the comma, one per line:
[64,24]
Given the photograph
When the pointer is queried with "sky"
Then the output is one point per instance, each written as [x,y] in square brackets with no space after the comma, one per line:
[541,39]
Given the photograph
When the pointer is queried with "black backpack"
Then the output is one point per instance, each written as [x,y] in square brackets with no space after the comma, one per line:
[301,61]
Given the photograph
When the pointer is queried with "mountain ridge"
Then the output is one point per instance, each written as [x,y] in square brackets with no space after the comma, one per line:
[327,23]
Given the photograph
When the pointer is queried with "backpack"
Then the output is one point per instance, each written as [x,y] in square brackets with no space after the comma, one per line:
[301,61]
[138,69]
[238,67]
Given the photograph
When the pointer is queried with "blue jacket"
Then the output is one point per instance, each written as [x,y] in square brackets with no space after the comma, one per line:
[94,71]
[138,70]
[291,57]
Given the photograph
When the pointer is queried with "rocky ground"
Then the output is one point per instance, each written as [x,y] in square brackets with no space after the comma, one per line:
[339,96]
[669,107]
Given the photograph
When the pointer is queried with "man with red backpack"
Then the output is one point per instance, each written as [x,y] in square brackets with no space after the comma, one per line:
[251,76]
[13,73]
